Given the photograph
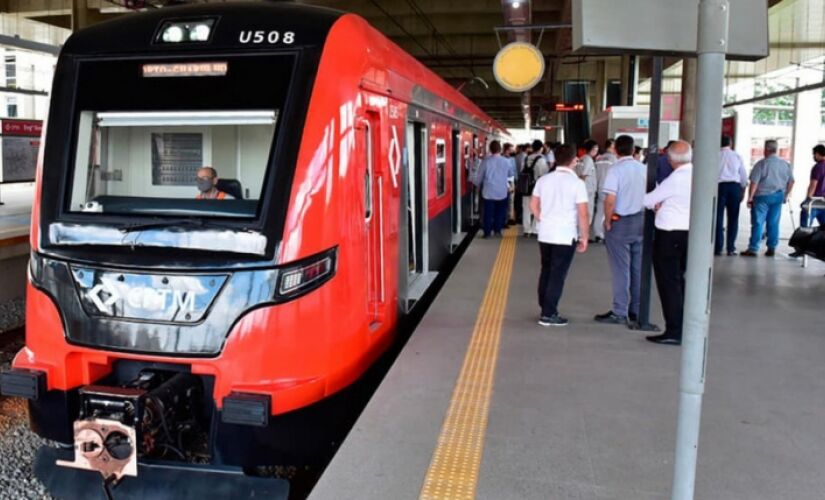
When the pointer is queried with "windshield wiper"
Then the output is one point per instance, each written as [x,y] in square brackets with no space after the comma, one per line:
[189,222]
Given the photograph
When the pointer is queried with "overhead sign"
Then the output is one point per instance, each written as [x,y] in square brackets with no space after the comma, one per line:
[19,145]
[602,26]
[28,128]
[518,66]
[566,108]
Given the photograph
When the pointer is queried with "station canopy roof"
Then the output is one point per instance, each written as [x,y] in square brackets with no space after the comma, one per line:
[459,39]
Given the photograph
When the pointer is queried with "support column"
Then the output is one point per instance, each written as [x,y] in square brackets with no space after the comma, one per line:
[744,133]
[687,123]
[83,16]
[630,79]
[601,89]
[712,41]
[806,125]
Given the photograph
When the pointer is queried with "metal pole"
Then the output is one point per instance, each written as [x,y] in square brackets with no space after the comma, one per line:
[643,321]
[712,45]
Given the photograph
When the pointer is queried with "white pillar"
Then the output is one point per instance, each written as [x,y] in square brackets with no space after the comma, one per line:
[744,133]
[806,125]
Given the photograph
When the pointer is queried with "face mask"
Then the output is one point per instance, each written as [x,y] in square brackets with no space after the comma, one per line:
[204,185]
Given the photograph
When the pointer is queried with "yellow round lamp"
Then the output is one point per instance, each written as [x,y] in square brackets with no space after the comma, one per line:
[518,66]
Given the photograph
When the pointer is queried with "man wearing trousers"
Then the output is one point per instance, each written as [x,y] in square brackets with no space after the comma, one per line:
[493,177]
[603,164]
[771,184]
[624,190]
[671,201]
[559,203]
[732,183]
[586,170]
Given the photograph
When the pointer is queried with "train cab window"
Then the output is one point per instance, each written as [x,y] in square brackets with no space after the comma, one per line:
[149,162]
[440,167]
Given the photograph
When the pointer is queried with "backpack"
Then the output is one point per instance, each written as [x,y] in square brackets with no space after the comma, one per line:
[527,178]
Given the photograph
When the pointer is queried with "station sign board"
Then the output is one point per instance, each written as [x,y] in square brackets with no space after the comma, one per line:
[19,146]
[665,27]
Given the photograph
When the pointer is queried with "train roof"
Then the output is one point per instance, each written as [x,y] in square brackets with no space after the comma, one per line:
[139,34]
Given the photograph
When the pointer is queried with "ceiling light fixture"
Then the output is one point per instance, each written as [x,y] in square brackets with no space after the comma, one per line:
[516,5]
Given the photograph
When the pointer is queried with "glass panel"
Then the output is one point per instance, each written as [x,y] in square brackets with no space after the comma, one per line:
[166,163]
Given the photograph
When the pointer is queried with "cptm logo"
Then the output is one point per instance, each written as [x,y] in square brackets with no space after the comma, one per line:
[107,293]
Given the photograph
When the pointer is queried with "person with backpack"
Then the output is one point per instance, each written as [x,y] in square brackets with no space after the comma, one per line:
[534,167]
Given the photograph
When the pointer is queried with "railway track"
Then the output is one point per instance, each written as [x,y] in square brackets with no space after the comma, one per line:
[17,443]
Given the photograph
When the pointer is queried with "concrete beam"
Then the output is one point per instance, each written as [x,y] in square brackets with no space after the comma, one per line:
[13,41]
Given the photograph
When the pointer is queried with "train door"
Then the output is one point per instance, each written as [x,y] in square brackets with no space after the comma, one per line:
[466,198]
[373,218]
[458,182]
[417,274]
[475,200]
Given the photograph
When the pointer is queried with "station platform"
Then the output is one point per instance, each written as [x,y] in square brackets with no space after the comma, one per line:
[15,212]
[15,217]
[484,403]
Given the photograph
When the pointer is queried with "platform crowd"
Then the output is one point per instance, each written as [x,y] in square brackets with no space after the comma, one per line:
[569,198]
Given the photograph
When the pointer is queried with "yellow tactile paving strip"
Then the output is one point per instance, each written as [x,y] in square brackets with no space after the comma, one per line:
[453,471]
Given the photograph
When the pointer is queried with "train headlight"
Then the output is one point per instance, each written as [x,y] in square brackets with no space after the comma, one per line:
[173,34]
[306,275]
[197,31]
[200,33]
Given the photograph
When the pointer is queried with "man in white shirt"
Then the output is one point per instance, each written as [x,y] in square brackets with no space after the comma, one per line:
[732,183]
[603,163]
[559,204]
[586,170]
[535,166]
[671,200]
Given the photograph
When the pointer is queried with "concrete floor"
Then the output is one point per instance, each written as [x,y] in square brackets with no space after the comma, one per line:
[589,411]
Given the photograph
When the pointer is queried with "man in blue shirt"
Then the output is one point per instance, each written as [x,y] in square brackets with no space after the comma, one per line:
[624,191]
[771,184]
[494,177]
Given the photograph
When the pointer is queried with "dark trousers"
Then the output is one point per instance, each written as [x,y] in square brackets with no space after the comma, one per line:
[669,264]
[495,215]
[517,205]
[730,199]
[555,262]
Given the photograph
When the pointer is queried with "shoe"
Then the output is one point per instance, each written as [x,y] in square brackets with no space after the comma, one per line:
[554,320]
[498,234]
[749,253]
[717,254]
[664,339]
[796,254]
[526,235]
[486,237]
[632,317]
[611,317]
[732,253]
[598,239]
[770,253]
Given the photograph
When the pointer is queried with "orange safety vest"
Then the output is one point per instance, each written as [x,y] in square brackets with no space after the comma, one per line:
[221,196]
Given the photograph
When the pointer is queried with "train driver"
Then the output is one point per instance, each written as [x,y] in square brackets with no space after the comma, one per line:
[207,182]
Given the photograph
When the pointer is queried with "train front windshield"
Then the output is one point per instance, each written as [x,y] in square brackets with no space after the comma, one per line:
[163,163]
[178,138]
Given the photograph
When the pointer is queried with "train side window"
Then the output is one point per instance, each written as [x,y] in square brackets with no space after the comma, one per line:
[440,167]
